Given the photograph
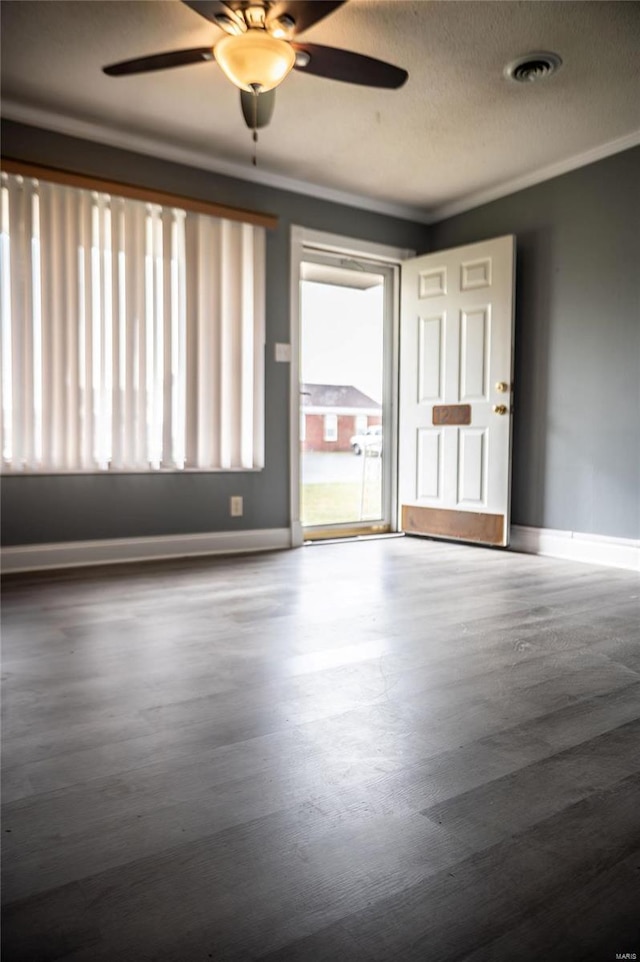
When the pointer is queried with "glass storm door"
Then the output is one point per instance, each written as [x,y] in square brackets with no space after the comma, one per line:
[345,388]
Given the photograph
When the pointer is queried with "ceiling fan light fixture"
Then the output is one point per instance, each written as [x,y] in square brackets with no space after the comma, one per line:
[232,26]
[254,60]
[254,15]
[282,27]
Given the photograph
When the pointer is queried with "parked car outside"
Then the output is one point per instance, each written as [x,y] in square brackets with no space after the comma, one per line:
[369,443]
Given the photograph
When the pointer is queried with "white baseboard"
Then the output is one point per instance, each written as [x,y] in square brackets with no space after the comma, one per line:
[297,534]
[71,554]
[574,546]
[569,545]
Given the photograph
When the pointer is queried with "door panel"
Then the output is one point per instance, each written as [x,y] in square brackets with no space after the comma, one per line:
[429,478]
[430,358]
[456,335]
[474,340]
[472,467]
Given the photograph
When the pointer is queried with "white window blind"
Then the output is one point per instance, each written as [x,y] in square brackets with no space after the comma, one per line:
[132,334]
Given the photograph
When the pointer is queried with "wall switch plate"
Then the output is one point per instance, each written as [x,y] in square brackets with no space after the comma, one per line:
[283,353]
[235,506]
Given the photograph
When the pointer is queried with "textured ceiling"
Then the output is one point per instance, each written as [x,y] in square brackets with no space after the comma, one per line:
[455,133]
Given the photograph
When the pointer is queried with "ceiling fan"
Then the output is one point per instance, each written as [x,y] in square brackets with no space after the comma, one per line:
[257,52]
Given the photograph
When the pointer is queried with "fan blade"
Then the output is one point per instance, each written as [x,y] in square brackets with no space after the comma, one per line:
[159,61]
[303,12]
[257,114]
[350,67]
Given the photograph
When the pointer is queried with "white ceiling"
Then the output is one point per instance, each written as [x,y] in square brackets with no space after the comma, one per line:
[456,134]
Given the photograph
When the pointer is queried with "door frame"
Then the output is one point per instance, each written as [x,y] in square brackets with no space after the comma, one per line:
[303,240]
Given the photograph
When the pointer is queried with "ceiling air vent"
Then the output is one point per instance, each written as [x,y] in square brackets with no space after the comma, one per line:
[532,67]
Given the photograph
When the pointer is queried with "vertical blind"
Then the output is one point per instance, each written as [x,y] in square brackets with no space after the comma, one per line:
[132,334]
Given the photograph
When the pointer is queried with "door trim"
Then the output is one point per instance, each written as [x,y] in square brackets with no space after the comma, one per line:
[301,239]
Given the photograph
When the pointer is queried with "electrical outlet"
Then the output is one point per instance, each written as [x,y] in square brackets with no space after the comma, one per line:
[235,506]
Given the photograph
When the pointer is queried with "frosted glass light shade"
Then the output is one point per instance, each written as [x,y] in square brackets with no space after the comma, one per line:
[254,57]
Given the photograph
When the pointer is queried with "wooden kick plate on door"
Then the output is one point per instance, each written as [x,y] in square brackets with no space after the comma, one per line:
[451,414]
[458,525]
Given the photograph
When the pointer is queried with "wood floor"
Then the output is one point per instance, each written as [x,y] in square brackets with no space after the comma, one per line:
[384,750]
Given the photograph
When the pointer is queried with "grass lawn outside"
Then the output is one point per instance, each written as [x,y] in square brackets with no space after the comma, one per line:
[340,502]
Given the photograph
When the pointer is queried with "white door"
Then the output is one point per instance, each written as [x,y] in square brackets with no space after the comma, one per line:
[456,364]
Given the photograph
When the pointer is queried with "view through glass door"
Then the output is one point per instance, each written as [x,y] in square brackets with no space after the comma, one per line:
[344,476]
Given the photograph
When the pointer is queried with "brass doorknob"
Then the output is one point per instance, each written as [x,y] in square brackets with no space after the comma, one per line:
[502,387]
[500,408]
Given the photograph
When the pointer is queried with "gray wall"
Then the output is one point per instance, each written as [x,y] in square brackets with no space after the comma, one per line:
[58,508]
[577,366]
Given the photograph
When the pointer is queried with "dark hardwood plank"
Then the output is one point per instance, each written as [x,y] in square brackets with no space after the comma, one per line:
[577,924]
[499,889]
[507,806]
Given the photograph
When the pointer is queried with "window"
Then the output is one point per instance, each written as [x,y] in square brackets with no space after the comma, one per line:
[360,424]
[132,334]
[331,427]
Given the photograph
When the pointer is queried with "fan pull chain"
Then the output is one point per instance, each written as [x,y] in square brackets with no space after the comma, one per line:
[255,125]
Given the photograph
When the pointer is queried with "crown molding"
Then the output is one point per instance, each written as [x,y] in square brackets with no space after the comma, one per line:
[111,137]
[537,177]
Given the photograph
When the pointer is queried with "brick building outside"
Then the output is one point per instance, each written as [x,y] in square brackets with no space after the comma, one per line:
[331,414]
